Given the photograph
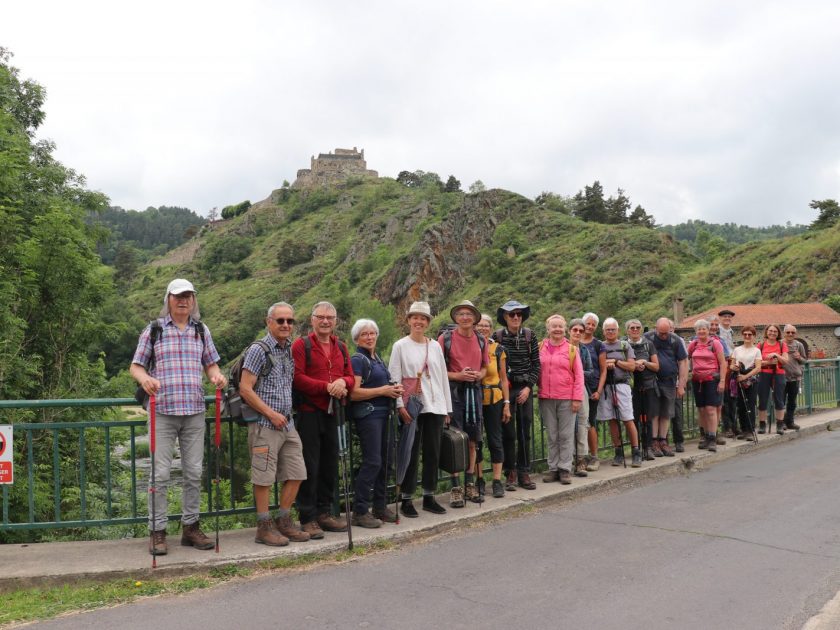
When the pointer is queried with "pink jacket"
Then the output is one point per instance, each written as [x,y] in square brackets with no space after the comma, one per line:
[557,380]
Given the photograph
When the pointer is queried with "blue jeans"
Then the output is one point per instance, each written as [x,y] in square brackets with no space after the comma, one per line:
[372,474]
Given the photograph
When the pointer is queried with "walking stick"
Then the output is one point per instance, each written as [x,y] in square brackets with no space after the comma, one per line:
[342,453]
[617,413]
[395,418]
[152,484]
[750,417]
[218,440]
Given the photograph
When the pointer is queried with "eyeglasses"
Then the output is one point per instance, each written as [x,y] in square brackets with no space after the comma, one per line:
[577,330]
[790,332]
[285,320]
[463,314]
[634,327]
[747,335]
[324,318]
[515,314]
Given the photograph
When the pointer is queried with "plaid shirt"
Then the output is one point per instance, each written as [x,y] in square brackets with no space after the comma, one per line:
[275,390]
[179,362]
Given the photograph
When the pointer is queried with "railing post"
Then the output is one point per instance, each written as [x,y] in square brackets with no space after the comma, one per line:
[809,388]
[837,381]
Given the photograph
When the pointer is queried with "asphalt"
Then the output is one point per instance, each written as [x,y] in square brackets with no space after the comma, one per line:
[67,562]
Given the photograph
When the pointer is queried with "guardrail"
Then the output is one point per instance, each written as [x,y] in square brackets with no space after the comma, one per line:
[87,474]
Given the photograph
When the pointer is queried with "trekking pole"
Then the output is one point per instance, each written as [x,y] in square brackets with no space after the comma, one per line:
[616,412]
[217,481]
[342,452]
[152,484]
[392,404]
[750,416]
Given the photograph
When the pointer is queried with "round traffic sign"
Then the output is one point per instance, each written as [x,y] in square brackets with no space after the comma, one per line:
[2,444]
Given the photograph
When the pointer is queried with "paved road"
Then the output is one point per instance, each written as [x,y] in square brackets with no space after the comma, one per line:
[752,543]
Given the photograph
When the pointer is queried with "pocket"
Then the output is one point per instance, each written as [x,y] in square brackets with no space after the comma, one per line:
[259,457]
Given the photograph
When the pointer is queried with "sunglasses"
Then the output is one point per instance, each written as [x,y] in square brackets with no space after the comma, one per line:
[515,314]
[285,320]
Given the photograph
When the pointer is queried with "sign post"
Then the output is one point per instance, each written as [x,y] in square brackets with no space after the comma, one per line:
[7,471]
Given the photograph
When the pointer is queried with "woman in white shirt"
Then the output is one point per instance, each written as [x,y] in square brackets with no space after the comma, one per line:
[416,356]
[745,364]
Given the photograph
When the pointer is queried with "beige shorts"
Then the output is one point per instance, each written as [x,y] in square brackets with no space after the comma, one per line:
[275,455]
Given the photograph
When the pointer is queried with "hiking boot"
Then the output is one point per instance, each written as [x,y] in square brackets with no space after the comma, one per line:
[192,536]
[580,469]
[330,523]
[386,514]
[456,498]
[471,494]
[407,508]
[666,449]
[618,460]
[731,434]
[703,444]
[720,440]
[498,489]
[430,505]
[565,477]
[510,481]
[480,485]
[366,520]
[712,447]
[313,529]
[157,543]
[762,427]
[636,461]
[656,448]
[679,447]
[525,481]
[792,426]
[780,428]
[747,435]
[647,454]
[551,475]
[286,526]
[267,534]
[593,464]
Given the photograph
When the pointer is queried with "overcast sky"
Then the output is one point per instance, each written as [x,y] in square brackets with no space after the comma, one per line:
[721,111]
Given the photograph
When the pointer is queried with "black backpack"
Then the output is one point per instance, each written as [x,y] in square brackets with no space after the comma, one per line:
[236,408]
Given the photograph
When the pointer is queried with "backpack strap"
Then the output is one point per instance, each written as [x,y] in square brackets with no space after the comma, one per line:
[367,364]
[498,353]
[307,347]
[447,345]
[155,333]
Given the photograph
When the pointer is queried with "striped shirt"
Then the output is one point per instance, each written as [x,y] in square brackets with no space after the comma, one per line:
[275,390]
[180,359]
[523,359]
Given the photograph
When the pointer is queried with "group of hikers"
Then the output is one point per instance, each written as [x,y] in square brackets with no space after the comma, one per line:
[471,378]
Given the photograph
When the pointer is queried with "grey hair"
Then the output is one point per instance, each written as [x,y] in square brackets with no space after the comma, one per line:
[714,318]
[326,305]
[488,318]
[279,305]
[195,314]
[701,323]
[587,316]
[577,321]
[630,322]
[610,321]
[361,325]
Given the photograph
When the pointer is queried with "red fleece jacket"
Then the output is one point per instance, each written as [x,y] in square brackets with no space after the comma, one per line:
[312,380]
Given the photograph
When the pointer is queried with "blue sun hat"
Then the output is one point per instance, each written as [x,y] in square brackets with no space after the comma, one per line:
[510,306]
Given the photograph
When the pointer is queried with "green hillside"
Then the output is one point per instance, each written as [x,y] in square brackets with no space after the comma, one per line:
[373,246]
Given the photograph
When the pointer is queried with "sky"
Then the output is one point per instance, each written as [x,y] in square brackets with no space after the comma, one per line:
[712,110]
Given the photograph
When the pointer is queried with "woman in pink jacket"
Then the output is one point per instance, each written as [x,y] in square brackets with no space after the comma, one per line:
[561,391]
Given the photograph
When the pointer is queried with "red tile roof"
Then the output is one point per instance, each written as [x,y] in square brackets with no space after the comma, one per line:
[807,314]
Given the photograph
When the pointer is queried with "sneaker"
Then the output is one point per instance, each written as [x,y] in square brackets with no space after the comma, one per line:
[313,529]
[456,498]
[286,527]
[157,543]
[580,469]
[407,508]
[524,480]
[780,428]
[679,447]
[550,475]
[666,449]
[471,494]
[618,459]
[636,462]
[656,448]
[762,427]
[386,514]
[267,534]
[498,489]
[510,481]
[430,505]
[565,477]
[720,440]
[593,464]
[792,426]
[330,523]
[192,536]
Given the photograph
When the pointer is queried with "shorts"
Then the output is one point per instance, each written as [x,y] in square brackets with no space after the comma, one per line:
[667,398]
[706,393]
[625,403]
[275,455]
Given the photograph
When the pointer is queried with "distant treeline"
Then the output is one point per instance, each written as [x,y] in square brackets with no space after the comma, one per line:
[730,232]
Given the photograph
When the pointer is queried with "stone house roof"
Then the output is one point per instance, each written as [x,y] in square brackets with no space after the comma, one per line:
[803,314]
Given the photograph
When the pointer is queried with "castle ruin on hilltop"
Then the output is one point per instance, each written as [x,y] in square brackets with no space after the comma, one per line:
[333,168]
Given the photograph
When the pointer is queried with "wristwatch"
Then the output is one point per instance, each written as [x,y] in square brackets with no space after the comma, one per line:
[507,402]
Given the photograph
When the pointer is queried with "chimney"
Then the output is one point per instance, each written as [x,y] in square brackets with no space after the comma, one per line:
[679,311]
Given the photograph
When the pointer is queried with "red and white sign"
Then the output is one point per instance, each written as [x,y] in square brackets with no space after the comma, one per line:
[7,471]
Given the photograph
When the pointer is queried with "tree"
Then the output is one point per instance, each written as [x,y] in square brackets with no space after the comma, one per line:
[213,215]
[477,186]
[642,218]
[452,185]
[554,203]
[590,205]
[829,213]
[616,208]
[409,179]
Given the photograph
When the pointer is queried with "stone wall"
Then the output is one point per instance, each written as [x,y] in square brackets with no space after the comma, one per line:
[819,340]
[334,168]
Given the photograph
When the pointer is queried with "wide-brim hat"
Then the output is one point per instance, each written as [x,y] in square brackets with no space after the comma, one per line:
[420,308]
[177,287]
[468,305]
[510,306]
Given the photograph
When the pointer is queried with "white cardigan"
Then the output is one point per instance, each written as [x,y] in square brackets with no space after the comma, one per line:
[407,357]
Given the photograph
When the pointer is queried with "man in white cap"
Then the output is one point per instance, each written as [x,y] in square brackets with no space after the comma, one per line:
[171,354]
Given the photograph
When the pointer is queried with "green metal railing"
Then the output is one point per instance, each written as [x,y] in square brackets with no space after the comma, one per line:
[101,488]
